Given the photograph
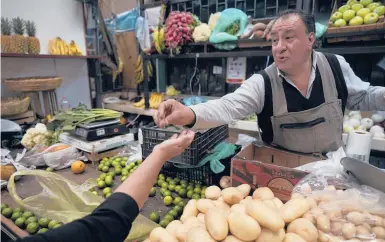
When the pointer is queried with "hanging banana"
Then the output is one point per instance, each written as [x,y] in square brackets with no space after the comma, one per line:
[139,75]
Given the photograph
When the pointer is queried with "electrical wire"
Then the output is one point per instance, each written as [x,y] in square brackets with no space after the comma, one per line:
[196,76]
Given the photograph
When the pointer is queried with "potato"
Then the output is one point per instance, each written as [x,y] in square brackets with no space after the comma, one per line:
[317,211]
[173,226]
[334,214]
[312,203]
[270,236]
[232,195]
[189,210]
[355,218]
[270,204]
[216,224]
[348,230]
[264,215]
[290,237]
[243,226]
[294,209]
[159,234]
[278,203]
[201,217]
[263,193]
[379,231]
[303,228]
[376,220]
[322,237]
[244,189]
[191,222]
[310,217]
[232,238]
[203,205]
[323,224]
[336,228]
[198,234]
[240,208]
[222,205]
[213,192]
[331,188]
[297,195]
[367,226]
[181,233]
[362,231]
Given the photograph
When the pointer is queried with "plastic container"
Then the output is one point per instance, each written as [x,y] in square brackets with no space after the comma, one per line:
[65,105]
[199,148]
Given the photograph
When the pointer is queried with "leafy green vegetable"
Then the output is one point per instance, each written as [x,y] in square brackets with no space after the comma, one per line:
[233,28]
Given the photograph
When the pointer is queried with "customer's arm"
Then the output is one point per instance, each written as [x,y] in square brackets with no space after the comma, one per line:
[361,96]
[112,220]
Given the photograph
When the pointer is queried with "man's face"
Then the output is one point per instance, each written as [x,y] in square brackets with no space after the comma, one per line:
[291,45]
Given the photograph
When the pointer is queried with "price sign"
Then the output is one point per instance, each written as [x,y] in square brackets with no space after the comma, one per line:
[236,70]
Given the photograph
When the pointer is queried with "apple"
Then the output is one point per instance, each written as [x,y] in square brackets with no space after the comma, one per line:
[366,2]
[371,18]
[357,7]
[343,8]
[380,10]
[373,6]
[348,15]
[363,12]
[339,23]
[335,16]
[352,2]
[357,20]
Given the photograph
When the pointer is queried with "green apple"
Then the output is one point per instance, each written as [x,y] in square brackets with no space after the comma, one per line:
[339,23]
[373,6]
[352,2]
[357,7]
[363,12]
[348,15]
[335,16]
[357,20]
[343,8]
[380,10]
[371,18]
[366,2]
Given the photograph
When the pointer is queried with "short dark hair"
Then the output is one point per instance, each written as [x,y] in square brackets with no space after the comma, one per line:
[307,18]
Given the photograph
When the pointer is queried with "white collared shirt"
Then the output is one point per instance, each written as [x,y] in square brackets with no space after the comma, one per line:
[249,98]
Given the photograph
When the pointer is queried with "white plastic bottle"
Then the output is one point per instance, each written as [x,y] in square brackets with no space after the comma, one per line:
[65,105]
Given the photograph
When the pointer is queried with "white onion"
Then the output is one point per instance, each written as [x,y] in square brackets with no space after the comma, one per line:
[354,113]
[376,129]
[379,135]
[367,123]
[348,128]
[354,122]
[377,118]
[360,127]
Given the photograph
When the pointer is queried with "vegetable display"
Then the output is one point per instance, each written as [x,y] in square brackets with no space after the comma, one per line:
[39,135]
[375,124]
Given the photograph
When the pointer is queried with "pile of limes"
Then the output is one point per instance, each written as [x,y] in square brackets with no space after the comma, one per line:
[28,221]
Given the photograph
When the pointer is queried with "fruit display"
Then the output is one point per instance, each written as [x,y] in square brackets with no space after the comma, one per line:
[6,29]
[28,221]
[78,167]
[38,135]
[19,43]
[58,46]
[33,42]
[375,124]
[155,100]
[139,74]
[159,39]
[355,13]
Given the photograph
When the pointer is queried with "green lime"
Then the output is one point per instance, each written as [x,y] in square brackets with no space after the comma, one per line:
[190,193]
[167,200]
[118,171]
[20,222]
[43,222]
[161,176]
[177,200]
[174,213]
[203,192]
[111,173]
[197,185]
[182,192]
[52,223]
[196,196]
[168,217]
[123,163]
[165,185]
[49,169]
[178,208]
[16,215]
[123,178]
[177,188]
[105,159]
[29,220]
[57,226]
[7,212]
[107,190]
[164,223]
[98,180]
[107,163]
[189,187]
[177,180]
[184,185]
[152,192]
[21,210]
[101,184]
[105,169]
[118,159]
[95,192]
[125,158]
[132,164]
[32,227]
[124,172]
[100,167]
[102,176]
[182,204]
[154,216]
[203,196]
[26,215]
[160,182]
[183,182]
[42,230]
[162,190]
[107,195]
[138,162]
[3,205]
[108,180]
[197,190]
[171,187]
[168,179]
[167,193]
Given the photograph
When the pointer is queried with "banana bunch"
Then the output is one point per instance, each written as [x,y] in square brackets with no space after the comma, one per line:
[171,91]
[159,39]
[58,46]
[155,100]
[139,75]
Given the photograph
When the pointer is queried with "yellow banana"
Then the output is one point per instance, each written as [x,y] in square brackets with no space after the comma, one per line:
[140,103]
[138,69]
[149,69]
[138,62]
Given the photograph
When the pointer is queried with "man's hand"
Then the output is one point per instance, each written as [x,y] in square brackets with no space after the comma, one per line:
[175,145]
[172,112]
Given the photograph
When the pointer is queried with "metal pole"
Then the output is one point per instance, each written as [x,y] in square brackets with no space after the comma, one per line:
[144,60]
[98,73]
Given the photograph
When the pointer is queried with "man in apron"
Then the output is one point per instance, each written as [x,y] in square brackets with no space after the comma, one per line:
[300,99]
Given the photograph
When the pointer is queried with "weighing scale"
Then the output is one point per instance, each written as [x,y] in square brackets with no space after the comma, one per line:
[100,130]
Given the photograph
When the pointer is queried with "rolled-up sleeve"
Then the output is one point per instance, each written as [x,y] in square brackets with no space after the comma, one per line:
[246,100]
[361,95]
[111,221]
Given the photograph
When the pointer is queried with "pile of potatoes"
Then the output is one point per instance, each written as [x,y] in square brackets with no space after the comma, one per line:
[231,215]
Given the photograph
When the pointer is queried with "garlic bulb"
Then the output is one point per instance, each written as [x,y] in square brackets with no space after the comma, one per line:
[367,123]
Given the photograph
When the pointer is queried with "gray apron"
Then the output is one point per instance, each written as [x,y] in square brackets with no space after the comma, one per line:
[316,130]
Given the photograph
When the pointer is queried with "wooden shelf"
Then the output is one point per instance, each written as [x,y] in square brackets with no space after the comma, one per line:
[15,55]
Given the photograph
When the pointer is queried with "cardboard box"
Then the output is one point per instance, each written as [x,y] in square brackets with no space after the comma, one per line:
[264,166]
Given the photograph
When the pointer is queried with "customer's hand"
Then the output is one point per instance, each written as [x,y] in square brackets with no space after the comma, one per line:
[174,146]
[172,112]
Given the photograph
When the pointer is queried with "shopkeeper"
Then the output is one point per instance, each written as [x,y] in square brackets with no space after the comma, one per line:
[300,99]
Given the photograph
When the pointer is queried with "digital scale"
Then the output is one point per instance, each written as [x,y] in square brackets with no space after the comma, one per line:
[100,130]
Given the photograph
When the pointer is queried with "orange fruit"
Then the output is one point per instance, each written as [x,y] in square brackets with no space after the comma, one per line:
[78,167]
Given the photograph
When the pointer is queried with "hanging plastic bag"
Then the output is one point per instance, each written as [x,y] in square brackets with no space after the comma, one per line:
[66,201]
[142,33]
[63,158]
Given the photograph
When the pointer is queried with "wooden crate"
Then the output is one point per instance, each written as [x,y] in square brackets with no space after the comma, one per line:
[27,117]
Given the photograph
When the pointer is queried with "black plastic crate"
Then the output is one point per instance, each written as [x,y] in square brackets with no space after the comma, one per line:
[199,148]
[377,159]
[202,175]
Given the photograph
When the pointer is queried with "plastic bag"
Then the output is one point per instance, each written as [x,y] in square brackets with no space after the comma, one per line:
[63,158]
[33,158]
[142,33]
[132,150]
[122,22]
[65,201]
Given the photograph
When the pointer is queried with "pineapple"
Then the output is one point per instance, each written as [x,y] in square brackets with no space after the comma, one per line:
[33,42]
[18,41]
[5,35]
